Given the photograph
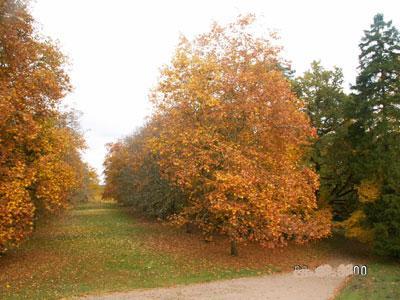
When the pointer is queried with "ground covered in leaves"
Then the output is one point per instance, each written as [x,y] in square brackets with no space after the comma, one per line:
[100,247]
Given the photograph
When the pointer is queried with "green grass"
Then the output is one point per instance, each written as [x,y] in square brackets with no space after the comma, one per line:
[382,282]
[98,248]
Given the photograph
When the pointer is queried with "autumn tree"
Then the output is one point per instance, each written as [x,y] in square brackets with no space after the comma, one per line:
[89,187]
[232,136]
[133,178]
[37,144]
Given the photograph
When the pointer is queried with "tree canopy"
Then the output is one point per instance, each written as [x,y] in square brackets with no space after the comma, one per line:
[229,134]
[39,149]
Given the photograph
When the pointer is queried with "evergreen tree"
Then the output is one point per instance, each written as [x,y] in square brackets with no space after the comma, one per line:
[375,134]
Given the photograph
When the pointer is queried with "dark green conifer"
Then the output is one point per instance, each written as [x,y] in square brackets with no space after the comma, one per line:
[375,132]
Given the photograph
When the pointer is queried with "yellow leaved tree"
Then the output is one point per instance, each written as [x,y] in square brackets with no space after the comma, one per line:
[231,135]
[39,150]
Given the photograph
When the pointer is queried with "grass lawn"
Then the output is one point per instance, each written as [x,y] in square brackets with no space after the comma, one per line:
[382,282]
[101,247]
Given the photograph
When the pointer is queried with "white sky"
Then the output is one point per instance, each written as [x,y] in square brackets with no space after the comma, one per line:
[117,47]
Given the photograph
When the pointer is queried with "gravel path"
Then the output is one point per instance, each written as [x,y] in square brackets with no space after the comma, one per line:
[276,286]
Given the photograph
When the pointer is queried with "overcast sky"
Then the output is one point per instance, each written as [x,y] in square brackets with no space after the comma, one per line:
[117,47]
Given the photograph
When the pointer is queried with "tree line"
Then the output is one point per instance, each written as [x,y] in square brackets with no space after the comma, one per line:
[239,146]
[357,153]
[224,148]
[41,169]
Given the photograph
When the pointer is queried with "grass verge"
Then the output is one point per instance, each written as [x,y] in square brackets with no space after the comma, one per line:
[99,248]
[381,282]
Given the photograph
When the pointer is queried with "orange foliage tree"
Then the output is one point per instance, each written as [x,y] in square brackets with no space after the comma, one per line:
[233,137]
[39,150]
[228,133]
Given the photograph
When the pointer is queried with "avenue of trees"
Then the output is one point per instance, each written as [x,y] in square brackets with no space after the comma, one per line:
[40,165]
[238,146]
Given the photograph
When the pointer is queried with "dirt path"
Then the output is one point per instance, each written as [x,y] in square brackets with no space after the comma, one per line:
[277,286]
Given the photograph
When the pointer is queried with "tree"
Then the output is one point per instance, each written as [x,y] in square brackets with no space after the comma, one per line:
[37,145]
[232,136]
[322,91]
[375,134]
[327,104]
[89,187]
[133,178]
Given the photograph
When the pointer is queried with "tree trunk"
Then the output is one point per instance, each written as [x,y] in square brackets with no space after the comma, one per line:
[234,250]
[189,227]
